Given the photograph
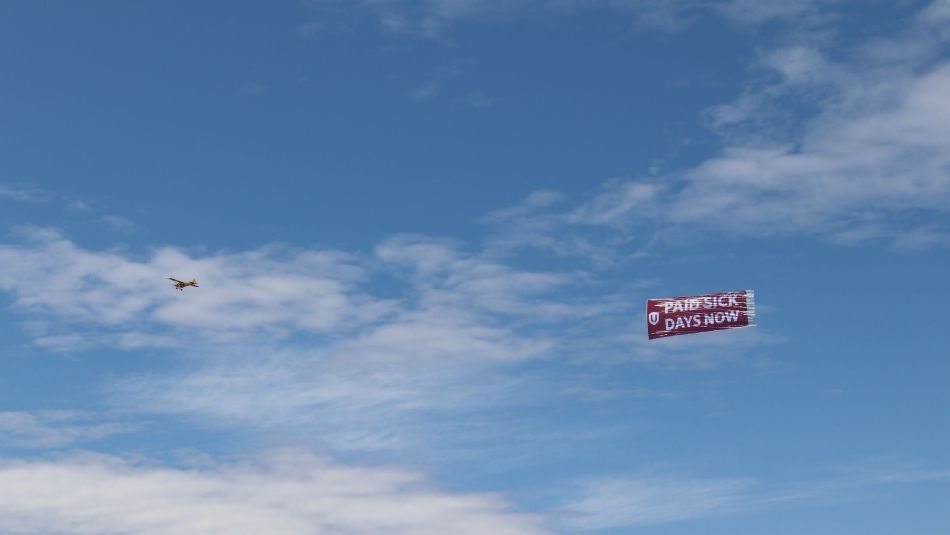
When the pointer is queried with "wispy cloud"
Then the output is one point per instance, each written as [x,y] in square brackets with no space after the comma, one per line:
[302,343]
[443,350]
[269,290]
[329,358]
[118,222]
[22,193]
[757,12]
[431,18]
[540,222]
[346,399]
[890,470]
[426,91]
[433,87]
[638,501]
[55,429]
[629,501]
[78,206]
[869,165]
[310,29]
[278,292]
[283,493]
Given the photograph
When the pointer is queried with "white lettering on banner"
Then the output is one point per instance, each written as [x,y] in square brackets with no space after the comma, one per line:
[688,305]
[682,322]
[682,315]
[731,316]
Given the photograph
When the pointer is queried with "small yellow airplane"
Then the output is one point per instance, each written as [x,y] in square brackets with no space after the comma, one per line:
[180,285]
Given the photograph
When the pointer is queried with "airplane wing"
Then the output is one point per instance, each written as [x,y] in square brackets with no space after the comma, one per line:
[176,280]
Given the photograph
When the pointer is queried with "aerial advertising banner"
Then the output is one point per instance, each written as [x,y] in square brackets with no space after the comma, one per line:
[671,316]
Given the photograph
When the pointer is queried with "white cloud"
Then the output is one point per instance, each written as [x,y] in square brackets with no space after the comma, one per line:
[445,277]
[22,193]
[872,163]
[431,89]
[877,149]
[330,362]
[758,12]
[443,351]
[269,290]
[118,222]
[627,199]
[328,359]
[675,15]
[426,91]
[284,493]
[537,199]
[54,429]
[654,498]
[118,298]
[880,160]
[638,501]
[78,206]
[538,222]
[310,29]
[430,18]
[347,399]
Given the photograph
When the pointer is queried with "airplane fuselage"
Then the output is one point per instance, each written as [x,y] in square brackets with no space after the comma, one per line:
[181,285]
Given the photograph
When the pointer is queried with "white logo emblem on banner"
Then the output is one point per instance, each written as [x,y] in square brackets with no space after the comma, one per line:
[654,318]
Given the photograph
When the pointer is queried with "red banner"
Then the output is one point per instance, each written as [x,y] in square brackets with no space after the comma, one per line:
[671,316]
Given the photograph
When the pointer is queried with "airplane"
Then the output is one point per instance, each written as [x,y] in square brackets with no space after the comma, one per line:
[180,285]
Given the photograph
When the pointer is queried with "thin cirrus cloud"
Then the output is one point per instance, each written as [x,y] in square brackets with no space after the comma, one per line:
[368,373]
[281,493]
[356,369]
[55,429]
[431,18]
[443,350]
[22,193]
[277,292]
[877,150]
[345,401]
[870,165]
[122,299]
[641,501]
[329,358]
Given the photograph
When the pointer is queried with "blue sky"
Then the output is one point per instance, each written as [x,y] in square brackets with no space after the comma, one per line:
[425,232]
